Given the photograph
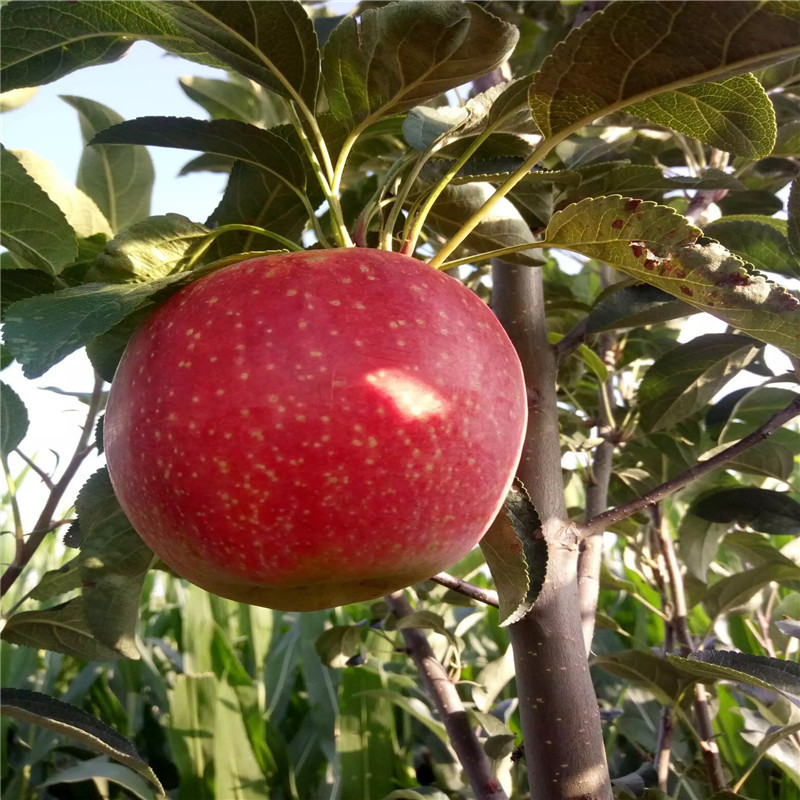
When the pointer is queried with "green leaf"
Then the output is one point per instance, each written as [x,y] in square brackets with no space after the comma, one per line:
[768,673]
[653,244]
[634,305]
[757,241]
[737,590]
[734,115]
[226,137]
[500,746]
[774,742]
[237,773]
[81,212]
[119,180]
[44,329]
[192,706]
[756,548]
[698,542]
[62,628]
[73,722]
[338,644]
[58,582]
[793,218]
[684,380]
[223,99]
[47,40]
[113,563]
[400,55]
[16,98]
[414,707]
[13,420]
[100,769]
[426,620]
[254,196]
[652,672]
[569,90]
[605,228]
[366,730]
[516,555]
[763,510]
[788,141]
[770,459]
[33,226]
[423,125]
[105,350]
[18,284]
[148,250]
[634,180]
[504,227]
[274,44]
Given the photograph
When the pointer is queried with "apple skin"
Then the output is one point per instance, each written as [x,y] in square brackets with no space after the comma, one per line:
[305,430]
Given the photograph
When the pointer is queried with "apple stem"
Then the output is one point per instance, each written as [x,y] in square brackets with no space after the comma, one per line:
[474,761]
[328,189]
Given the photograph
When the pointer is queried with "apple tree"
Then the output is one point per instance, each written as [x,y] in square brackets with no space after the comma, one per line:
[481,273]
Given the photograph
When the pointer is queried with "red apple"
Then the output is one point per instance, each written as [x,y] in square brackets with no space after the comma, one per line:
[305,430]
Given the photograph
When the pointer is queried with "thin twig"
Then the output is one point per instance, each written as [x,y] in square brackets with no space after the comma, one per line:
[486,596]
[703,198]
[591,548]
[601,522]
[45,522]
[474,761]
[45,478]
[571,340]
[680,627]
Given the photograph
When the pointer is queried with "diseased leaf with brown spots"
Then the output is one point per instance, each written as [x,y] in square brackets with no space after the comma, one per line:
[654,244]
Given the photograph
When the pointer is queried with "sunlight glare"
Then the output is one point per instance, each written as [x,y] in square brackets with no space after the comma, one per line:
[413,398]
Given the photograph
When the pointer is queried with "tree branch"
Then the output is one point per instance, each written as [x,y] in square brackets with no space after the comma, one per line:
[683,637]
[600,522]
[473,759]
[591,549]
[487,596]
[45,522]
[559,715]
[571,340]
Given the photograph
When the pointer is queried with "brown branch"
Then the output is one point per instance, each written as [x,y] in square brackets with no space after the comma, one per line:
[601,522]
[45,522]
[591,549]
[703,198]
[45,478]
[486,596]
[571,340]
[559,716]
[474,761]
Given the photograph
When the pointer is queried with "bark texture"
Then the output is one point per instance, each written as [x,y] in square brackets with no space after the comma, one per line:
[560,718]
